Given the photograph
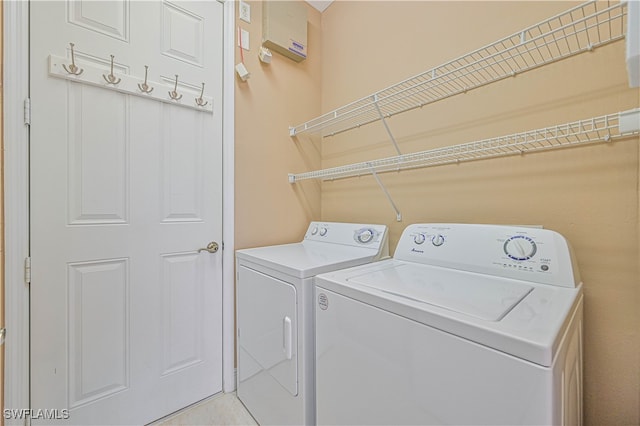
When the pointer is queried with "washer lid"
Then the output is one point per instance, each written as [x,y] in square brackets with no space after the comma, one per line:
[480,296]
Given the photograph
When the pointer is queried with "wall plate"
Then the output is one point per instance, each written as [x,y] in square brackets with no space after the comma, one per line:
[244,11]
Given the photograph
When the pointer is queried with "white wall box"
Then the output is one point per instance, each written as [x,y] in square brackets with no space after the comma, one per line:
[284,28]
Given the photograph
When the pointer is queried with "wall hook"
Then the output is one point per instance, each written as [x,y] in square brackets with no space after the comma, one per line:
[199,101]
[174,93]
[111,78]
[144,87]
[73,68]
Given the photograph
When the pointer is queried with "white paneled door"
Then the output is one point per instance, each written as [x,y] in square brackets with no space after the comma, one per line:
[126,312]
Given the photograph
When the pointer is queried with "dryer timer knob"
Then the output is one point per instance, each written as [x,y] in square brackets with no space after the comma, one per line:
[365,236]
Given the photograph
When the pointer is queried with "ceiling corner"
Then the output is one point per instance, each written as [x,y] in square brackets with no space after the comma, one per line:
[320,5]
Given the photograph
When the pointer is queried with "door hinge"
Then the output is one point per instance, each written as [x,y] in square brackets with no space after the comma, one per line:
[27,270]
[27,111]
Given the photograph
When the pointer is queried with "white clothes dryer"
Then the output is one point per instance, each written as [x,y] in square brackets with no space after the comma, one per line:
[466,325]
[275,330]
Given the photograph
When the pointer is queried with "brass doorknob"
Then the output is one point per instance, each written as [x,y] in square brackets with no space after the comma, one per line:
[212,247]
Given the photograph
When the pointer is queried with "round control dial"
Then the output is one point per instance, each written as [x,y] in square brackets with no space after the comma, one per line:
[520,247]
[323,232]
[437,240]
[419,238]
[314,230]
[365,235]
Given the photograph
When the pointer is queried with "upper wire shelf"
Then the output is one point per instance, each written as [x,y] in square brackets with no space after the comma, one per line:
[598,129]
[580,29]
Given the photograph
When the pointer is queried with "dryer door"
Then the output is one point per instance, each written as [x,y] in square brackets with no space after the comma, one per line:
[267,331]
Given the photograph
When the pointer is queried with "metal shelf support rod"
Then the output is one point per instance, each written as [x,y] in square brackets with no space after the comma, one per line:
[386,126]
[386,193]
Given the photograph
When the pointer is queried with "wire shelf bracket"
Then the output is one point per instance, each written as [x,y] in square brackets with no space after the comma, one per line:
[386,126]
[577,30]
[386,193]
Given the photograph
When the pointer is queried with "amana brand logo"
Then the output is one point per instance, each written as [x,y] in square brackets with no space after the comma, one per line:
[417,251]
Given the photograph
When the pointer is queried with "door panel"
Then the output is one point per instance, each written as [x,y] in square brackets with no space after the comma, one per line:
[98,292]
[110,18]
[125,312]
[268,324]
[182,330]
[182,187]
[182,34]
[98,147]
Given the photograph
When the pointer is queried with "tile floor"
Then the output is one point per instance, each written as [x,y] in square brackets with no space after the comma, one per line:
[222,409]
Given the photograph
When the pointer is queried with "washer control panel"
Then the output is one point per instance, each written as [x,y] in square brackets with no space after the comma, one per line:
[435,239]
[520,247]
[531,254]
[352,234]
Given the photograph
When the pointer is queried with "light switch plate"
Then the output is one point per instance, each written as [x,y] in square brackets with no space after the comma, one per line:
[243,40]
[244,11]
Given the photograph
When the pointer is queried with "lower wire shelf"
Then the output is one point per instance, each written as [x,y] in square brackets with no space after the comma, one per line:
[605,128]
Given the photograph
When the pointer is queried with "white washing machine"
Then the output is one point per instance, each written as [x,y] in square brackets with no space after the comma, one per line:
[466,325]
[275,341]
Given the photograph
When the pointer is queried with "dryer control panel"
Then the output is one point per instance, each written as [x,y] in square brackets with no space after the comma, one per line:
[531,254]
[350,234]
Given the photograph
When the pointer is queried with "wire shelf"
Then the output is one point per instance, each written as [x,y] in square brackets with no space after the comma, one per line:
[599,129]
[580,29]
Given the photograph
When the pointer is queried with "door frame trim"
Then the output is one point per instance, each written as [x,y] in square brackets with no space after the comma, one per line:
[16,203]
[228,200]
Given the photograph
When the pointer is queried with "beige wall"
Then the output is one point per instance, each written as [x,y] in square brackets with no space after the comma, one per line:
[589,194]
[269,210]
